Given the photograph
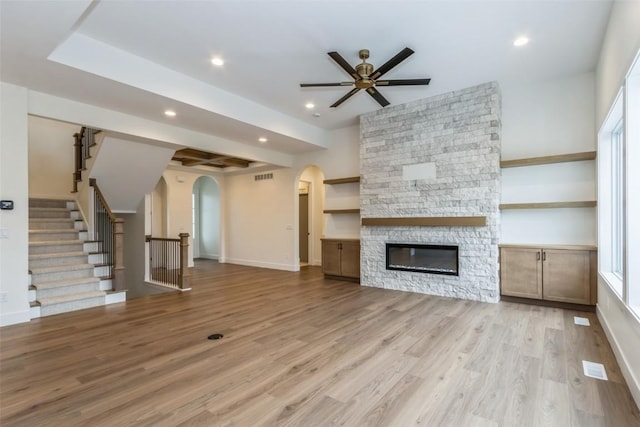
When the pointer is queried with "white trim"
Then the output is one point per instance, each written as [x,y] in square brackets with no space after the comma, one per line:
[262,264]
[209,256]
[632,382]
[14,318]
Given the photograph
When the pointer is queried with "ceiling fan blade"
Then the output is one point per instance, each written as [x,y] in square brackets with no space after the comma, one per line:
[344,64]
[404,54]
[344,98]
[326,84]
[406,82]
[377,96]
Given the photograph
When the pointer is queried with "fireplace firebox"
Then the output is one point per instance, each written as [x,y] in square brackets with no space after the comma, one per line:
[434,259]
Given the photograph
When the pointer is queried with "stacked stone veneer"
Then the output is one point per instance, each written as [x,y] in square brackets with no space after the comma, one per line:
[460,133]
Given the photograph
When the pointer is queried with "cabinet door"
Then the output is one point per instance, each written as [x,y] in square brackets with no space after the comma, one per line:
[521,272]
[331,257]
[350,259]
[566,276]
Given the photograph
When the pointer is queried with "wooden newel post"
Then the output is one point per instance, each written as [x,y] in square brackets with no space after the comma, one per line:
[118,255]
[185,277]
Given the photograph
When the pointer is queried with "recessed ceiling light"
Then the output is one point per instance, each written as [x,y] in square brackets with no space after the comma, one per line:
[316,114]
[309,105]
[217,61]
[262,139]
[170,113]
[521,41]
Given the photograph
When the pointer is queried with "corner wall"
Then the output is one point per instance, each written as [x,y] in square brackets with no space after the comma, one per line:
[457,135]
[14,185]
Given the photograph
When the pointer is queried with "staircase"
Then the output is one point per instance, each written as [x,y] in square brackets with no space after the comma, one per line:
[65,268]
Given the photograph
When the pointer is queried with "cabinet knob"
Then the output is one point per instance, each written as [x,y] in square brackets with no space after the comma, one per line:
[538,256]
[544,255]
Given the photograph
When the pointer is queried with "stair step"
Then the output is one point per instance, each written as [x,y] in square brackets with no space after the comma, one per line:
[52,234]
[48,247]
[58,258]
[51,223]
[49,203]
[60,288]
[63,272]
[66,303]
[67,282]
[49,213]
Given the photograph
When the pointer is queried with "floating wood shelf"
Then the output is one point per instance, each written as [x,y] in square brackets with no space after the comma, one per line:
[341,211]
[433,221]
[560,158]
[342,180]
[549,205]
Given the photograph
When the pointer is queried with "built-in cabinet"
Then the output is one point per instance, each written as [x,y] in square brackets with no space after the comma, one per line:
[549,272]
[560,274]
[341,258]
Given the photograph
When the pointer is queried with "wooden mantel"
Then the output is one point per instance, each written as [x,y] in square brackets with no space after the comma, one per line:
[429,221]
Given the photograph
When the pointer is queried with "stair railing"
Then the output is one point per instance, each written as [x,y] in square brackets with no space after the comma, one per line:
[108,231]
[83,141]
[168,261]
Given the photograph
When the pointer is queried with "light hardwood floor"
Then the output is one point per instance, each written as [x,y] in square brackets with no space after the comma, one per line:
[300,350]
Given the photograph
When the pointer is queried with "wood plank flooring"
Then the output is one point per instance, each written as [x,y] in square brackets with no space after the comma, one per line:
[299,350]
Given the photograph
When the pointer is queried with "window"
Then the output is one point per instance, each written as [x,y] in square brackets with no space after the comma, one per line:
[611,198]
[617,200]
[618,195]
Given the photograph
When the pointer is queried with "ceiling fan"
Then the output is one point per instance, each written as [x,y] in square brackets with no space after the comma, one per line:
[366,78]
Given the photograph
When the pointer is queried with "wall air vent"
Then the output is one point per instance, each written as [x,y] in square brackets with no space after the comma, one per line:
[263,176]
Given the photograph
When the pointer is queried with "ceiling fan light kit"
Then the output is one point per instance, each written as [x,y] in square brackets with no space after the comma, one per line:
[364,76]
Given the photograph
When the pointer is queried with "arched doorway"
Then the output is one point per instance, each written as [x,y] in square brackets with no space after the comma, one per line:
[206,218]
[310,195]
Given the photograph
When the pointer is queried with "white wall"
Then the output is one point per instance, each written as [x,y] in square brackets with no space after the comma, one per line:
[542,119]
[14,185]
[261,220]
[134,166]
[341,160]
[622,42]
[51,158]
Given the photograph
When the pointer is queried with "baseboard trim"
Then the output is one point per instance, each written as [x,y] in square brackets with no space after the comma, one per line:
[632,382]
[14,318]
[207,256]
[261,264]
[553,304]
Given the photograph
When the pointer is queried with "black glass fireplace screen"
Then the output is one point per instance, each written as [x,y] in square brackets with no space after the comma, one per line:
[436,259]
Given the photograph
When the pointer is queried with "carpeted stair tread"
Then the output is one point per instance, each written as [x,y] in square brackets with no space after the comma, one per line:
[57,268]
[54,230]
[57,255]
[38,209]
[68,298]
[55,242]
[66,282]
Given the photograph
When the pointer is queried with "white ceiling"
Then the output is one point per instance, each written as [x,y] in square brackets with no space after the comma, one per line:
[270,47]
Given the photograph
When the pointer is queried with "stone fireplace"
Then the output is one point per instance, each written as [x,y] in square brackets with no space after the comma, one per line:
[430,177]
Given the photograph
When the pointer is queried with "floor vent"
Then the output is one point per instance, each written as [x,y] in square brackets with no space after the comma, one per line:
[215,336]
[582,321]
[263,176]
[594,370]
